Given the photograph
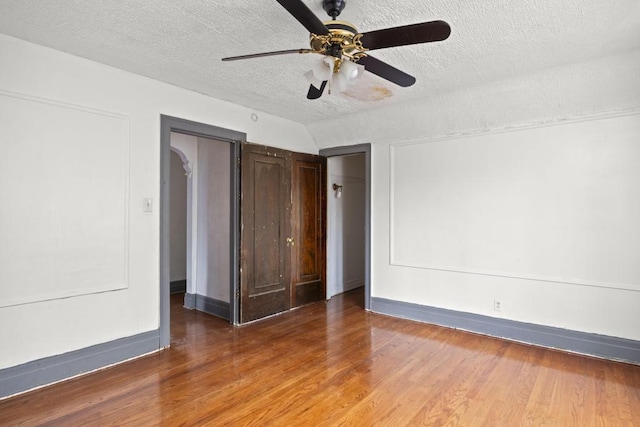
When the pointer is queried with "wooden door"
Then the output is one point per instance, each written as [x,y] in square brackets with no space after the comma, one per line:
[308,224]
[265,282]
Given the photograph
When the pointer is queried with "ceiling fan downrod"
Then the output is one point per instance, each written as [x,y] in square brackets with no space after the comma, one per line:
[333,7]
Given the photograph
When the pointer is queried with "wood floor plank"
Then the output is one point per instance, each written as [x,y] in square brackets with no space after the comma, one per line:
[336,364]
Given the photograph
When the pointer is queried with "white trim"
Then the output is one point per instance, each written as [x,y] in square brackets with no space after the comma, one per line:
[126,148]
[518,128]
[572,281]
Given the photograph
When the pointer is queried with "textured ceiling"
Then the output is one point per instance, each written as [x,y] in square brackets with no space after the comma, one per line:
[182,41]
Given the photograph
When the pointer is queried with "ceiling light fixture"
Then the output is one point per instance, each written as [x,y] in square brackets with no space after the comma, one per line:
[340,73]
[344,46]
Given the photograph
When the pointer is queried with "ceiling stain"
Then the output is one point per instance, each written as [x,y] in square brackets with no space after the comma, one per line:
[370,94]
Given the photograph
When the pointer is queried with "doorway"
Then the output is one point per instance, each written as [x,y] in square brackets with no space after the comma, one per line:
[352,187]
[200,222]
[199,130]
[172,124]
[345,219]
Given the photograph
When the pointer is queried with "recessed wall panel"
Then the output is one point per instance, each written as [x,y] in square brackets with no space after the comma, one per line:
[555,203]
[63,200]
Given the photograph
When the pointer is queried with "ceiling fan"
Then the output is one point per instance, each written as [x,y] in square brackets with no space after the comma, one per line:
[346,50]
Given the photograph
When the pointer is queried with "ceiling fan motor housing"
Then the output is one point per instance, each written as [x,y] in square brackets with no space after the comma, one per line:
[333,7]
[341,40]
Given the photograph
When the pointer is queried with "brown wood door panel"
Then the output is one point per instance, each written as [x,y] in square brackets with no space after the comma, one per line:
[265,226]
[308,227]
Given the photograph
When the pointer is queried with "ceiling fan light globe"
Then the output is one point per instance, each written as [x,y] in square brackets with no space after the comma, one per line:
[339,82]
[351,70]
[322,69]
[311,78]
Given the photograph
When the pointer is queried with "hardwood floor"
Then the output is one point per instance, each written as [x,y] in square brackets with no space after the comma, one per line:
[335,364]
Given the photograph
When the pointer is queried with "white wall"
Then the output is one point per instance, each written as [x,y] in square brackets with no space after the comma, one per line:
[122,112]
[345,223]
[178,220]
[214,219]
[589,182]
[542,219]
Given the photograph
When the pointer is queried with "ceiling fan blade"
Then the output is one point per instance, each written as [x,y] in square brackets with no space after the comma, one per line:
[305,16]
[425,32]
[260,55]
[386,71]
[314,92]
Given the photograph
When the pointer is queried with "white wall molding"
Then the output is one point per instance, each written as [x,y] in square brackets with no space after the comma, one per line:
[535,125]
[186,164]
[63,104]
[108,135]
[584,126]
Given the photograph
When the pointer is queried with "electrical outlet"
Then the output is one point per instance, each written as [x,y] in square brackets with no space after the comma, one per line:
[497,305]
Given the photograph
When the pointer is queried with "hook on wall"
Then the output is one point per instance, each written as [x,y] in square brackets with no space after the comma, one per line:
[338,189]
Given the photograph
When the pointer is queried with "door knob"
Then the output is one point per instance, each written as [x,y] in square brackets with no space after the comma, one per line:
[290,241]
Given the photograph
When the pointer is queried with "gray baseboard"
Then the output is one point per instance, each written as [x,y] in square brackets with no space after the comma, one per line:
[189,301]
[212,306]
[178,286]
[546,336]
[45,371]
